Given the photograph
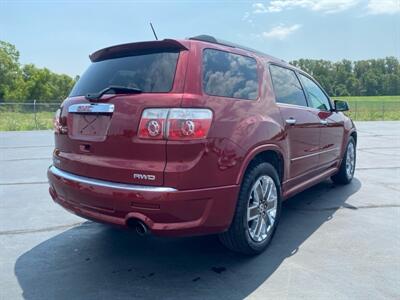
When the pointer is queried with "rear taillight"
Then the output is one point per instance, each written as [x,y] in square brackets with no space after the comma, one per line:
[175,123]
[58,125]
[57,121]
[188,124]
[152,124]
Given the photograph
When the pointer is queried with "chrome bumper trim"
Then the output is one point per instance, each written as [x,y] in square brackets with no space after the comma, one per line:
[109,184]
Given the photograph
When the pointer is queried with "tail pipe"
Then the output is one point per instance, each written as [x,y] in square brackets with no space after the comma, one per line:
[140,228]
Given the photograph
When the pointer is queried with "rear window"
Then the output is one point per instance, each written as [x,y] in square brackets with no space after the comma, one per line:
[150,72]
[229,75]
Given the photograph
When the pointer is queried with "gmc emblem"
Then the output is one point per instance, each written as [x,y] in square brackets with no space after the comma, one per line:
[143,176]
[84,108]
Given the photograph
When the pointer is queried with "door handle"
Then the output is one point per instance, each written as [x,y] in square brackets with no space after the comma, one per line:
[290,121]
[324,122]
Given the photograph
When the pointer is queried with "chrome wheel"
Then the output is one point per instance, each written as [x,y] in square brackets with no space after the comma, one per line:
[262,208]
[350,160]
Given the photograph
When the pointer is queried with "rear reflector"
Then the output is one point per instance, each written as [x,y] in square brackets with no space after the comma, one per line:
[175,123]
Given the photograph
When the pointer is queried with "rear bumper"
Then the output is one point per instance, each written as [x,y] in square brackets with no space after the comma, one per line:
[166,211]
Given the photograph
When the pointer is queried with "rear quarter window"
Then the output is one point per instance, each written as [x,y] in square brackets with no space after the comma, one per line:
[229,75]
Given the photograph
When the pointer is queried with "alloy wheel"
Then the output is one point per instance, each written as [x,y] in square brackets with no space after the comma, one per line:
[262,208]
[350,160]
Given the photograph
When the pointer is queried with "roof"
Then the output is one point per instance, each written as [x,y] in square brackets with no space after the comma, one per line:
[213,40]
[135,48]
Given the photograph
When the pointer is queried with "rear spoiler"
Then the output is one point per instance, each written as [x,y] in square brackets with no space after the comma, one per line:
[136,48]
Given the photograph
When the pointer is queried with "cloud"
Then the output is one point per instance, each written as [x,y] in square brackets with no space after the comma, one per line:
[259,8]
[247,17]
[377,7]
[325,6]
[281,32]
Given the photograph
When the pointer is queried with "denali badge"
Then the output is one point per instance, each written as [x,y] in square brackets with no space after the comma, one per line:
[144,176]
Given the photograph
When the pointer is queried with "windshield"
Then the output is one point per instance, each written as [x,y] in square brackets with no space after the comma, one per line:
[149,72]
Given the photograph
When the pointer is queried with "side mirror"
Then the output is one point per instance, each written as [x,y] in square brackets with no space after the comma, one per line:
[341,105]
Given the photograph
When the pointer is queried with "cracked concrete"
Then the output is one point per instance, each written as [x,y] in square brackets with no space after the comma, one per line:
[333,242]
[51,228]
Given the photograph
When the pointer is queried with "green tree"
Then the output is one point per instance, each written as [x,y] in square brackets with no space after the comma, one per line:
[43,85]
[342,78]
[365,77]
[22,83]
[10,73]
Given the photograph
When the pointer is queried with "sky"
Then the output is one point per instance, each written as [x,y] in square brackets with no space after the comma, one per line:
[60,35]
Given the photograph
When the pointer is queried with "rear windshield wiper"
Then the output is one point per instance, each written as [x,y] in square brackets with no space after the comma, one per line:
[117,89]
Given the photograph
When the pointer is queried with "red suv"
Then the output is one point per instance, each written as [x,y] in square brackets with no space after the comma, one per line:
[196,136]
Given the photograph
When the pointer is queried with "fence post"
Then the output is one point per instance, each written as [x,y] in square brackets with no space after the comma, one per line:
[34,113]
[383,110]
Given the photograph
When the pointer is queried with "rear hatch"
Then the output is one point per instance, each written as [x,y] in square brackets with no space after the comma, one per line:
[100,119]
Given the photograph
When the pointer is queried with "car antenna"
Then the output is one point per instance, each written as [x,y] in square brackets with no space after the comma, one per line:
[152,28]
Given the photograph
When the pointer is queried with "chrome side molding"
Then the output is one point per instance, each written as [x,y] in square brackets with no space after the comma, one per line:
[91,108]
[109,184]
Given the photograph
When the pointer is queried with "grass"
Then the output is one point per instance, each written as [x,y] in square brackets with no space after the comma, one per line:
[13,121]
[373,108]
[367,108]
[370,98]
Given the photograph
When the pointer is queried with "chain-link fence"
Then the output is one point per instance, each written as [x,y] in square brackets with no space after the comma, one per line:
[374,110]
[32,115]
[35,115]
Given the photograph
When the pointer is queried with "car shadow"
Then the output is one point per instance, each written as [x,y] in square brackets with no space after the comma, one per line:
[96,261]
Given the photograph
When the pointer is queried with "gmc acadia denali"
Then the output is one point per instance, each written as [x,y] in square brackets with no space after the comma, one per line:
[196,136]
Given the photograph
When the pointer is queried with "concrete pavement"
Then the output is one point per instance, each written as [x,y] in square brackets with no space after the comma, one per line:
[333,242]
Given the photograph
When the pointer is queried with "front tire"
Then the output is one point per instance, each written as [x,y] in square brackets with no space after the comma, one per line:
[257,211]
[348,165]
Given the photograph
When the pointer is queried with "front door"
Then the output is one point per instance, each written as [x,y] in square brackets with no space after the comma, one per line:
[332,129]
[302,124]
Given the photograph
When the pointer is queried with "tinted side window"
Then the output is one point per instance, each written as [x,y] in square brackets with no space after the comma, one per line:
[287,86]
[229,75]
[316,96]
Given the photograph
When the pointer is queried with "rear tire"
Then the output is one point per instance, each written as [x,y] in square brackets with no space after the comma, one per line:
[257,211]
[348,164]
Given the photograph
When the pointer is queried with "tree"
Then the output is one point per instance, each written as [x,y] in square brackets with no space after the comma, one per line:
[10,73]
[43,85]
[343,78]
[22,83]
[365,77]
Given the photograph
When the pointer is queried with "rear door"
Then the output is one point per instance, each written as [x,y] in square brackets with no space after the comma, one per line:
[102,134]
[302,125]
[332,129]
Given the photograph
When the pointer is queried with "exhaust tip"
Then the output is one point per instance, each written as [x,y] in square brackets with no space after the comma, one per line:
[140,228]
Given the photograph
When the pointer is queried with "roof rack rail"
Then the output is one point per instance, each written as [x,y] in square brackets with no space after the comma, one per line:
[211,39]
